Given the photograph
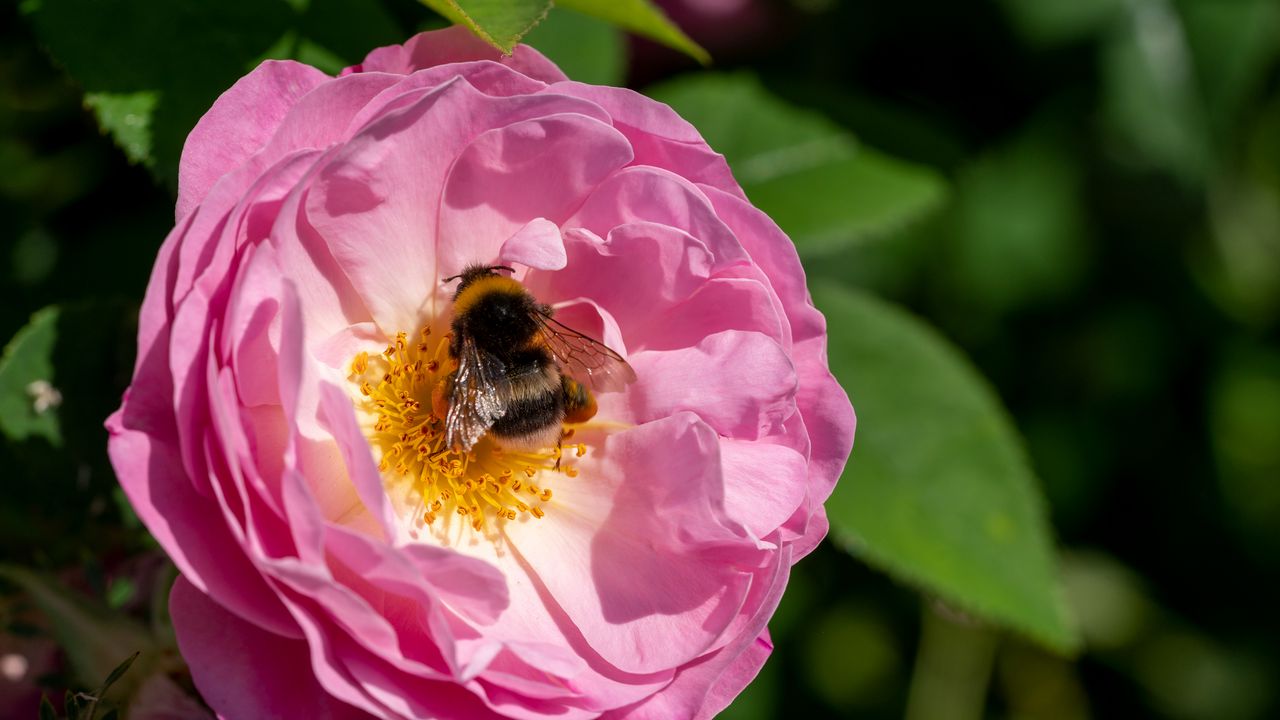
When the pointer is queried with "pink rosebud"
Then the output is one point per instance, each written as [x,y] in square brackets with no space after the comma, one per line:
[283,441]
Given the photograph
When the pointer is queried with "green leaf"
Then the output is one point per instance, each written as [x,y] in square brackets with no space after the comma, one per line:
[587,49]
[642,18]
[117,673]
[28,399]
[1234,46]
[127,117]
[1057,22]
[148,87]
[122,590]
[1239,264]
[1020,206]
[821,186]
[1150,101]
[46,709]
[122,54]
[501,23]
[938,490]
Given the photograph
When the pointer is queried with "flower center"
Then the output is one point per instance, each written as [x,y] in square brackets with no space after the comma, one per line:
[402,396]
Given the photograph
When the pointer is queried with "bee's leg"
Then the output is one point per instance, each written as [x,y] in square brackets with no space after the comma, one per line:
[559,448]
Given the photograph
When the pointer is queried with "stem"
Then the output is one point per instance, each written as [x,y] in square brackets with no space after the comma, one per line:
[953,667]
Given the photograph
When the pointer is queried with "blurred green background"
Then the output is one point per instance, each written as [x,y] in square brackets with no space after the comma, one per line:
[1077,202]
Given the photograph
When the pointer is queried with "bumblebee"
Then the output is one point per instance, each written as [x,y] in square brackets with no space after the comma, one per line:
[520,374]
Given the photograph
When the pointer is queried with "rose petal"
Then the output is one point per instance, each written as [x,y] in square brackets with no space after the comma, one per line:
[707,378]
[198,542]
[829,416]
[657,598]
[222,139]
[659,136]
[453,45]
[644,194]
[539,168]
[721,303]
[753,494]
[376,204]
[537,245]
[242,670]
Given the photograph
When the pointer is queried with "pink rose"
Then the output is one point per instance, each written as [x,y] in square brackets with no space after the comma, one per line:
[336,559]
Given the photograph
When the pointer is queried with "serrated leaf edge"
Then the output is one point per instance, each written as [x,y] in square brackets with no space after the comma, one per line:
[485,35]
[1070,643]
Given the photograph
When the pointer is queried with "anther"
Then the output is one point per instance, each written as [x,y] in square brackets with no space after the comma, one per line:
[410,438]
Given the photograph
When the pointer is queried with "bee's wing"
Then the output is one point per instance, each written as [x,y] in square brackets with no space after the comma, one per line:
[585,359]
[477,397]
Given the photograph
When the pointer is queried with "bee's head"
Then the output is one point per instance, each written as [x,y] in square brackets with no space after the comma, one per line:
[474,272]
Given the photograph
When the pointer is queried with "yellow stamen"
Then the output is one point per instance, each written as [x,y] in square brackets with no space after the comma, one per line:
[479,486]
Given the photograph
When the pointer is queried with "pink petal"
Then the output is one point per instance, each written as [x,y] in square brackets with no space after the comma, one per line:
[539,168]
[376,204]
[345,665]
[211,275]
[249,507]
[648,194]
[764,483]
[484,76]
[242,670]
[703,688]
[661,264]
[659,136]
[251,336]
[543,657]
[328,113]
[658,597]
[722,303]
[199,542]
[589,318]
[328,300]
[537,245]
[240,122]
[828,413]
[362,471]
[740,383]
[453,45]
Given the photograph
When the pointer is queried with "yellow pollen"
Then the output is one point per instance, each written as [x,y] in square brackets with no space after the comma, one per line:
[481,486]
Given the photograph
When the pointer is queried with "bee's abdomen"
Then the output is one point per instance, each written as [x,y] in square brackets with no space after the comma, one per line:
[532,421]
